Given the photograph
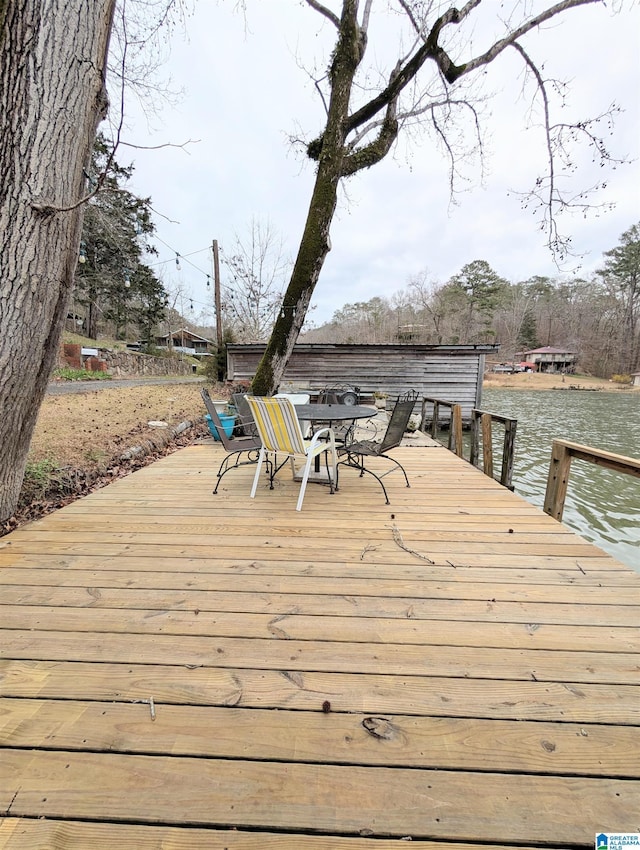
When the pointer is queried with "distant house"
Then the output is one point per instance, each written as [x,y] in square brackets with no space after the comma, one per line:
[548,359]
[187,342]
[636,379]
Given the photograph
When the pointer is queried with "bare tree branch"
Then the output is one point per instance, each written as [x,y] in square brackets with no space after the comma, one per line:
[328,14]
[182,145]
[364,26]
[546,190]
[450,71]
[409,12]
[123,76]
[551,178]
[524,28]
[46,208]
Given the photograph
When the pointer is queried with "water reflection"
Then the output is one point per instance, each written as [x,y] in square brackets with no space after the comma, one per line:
[603,506]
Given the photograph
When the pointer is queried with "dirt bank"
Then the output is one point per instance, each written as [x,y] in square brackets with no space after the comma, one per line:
[546,381]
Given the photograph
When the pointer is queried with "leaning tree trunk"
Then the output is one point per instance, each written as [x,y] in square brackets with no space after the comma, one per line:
[315,243]
[312,252]
[52,97]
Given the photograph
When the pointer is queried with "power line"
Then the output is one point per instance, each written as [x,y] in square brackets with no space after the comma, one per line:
[180,256]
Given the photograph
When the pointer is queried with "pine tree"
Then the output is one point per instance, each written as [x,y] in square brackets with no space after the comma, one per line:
[112,281]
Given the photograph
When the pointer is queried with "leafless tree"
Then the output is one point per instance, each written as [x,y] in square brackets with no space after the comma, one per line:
[257,271]
[433,80]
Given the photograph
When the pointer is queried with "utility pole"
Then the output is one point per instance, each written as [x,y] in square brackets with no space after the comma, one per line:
[218,307]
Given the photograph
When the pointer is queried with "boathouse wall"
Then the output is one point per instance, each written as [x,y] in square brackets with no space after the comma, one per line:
[452,373]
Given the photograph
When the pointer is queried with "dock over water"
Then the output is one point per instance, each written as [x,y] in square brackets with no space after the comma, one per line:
[182,670]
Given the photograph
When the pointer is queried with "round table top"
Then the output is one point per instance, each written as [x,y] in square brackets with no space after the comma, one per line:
[333,412]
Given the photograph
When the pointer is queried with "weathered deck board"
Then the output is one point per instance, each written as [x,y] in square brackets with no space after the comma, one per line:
[446,743]
[22,834]
[298,655]
[386,693]
[487,699]
[317,797]
[150,589]
[296,626]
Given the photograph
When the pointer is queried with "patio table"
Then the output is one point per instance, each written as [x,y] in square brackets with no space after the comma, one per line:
[330,413]
[334,412]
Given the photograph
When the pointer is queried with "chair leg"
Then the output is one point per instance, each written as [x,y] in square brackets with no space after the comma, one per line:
[332,473]
[399,466]
[256,477]
[303,485]
[404,473]
[357,462]
[225,467]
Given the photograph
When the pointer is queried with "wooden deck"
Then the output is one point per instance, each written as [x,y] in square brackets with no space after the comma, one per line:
[180,670]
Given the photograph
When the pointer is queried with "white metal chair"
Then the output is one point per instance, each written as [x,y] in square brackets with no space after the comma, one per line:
[299,398]
[280,433]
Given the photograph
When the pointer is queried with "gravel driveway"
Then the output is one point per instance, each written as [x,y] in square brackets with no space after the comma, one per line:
[65,387]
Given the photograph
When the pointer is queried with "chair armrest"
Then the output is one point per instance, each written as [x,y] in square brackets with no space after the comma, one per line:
[319,437]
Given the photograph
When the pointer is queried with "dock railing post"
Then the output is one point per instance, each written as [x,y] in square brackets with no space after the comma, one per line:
[455,430]
[508,453]
[562,452]
[434,419]
[557,481]
[481,424]
[474,438]
[487,444]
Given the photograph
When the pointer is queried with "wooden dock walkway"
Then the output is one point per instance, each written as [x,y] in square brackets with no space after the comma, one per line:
[181,670]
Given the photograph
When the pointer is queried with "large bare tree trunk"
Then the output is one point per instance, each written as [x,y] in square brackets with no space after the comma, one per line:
[52,97]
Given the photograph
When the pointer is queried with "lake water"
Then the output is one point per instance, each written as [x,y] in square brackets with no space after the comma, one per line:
[601,505]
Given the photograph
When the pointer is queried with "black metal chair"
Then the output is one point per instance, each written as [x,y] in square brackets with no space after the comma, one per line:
[235,446]
[245,426]
[356,452]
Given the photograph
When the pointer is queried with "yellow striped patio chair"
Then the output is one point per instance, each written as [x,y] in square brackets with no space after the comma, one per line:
[280,433]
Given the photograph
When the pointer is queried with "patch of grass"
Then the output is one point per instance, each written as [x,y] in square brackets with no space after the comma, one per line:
[95,455]
[103,342]
[69,374]
[38,477]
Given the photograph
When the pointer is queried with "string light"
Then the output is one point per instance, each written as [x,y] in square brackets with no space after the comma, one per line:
[82,257]
[185,258]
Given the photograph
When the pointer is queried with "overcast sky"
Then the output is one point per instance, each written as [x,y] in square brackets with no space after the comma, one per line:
[246,94]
